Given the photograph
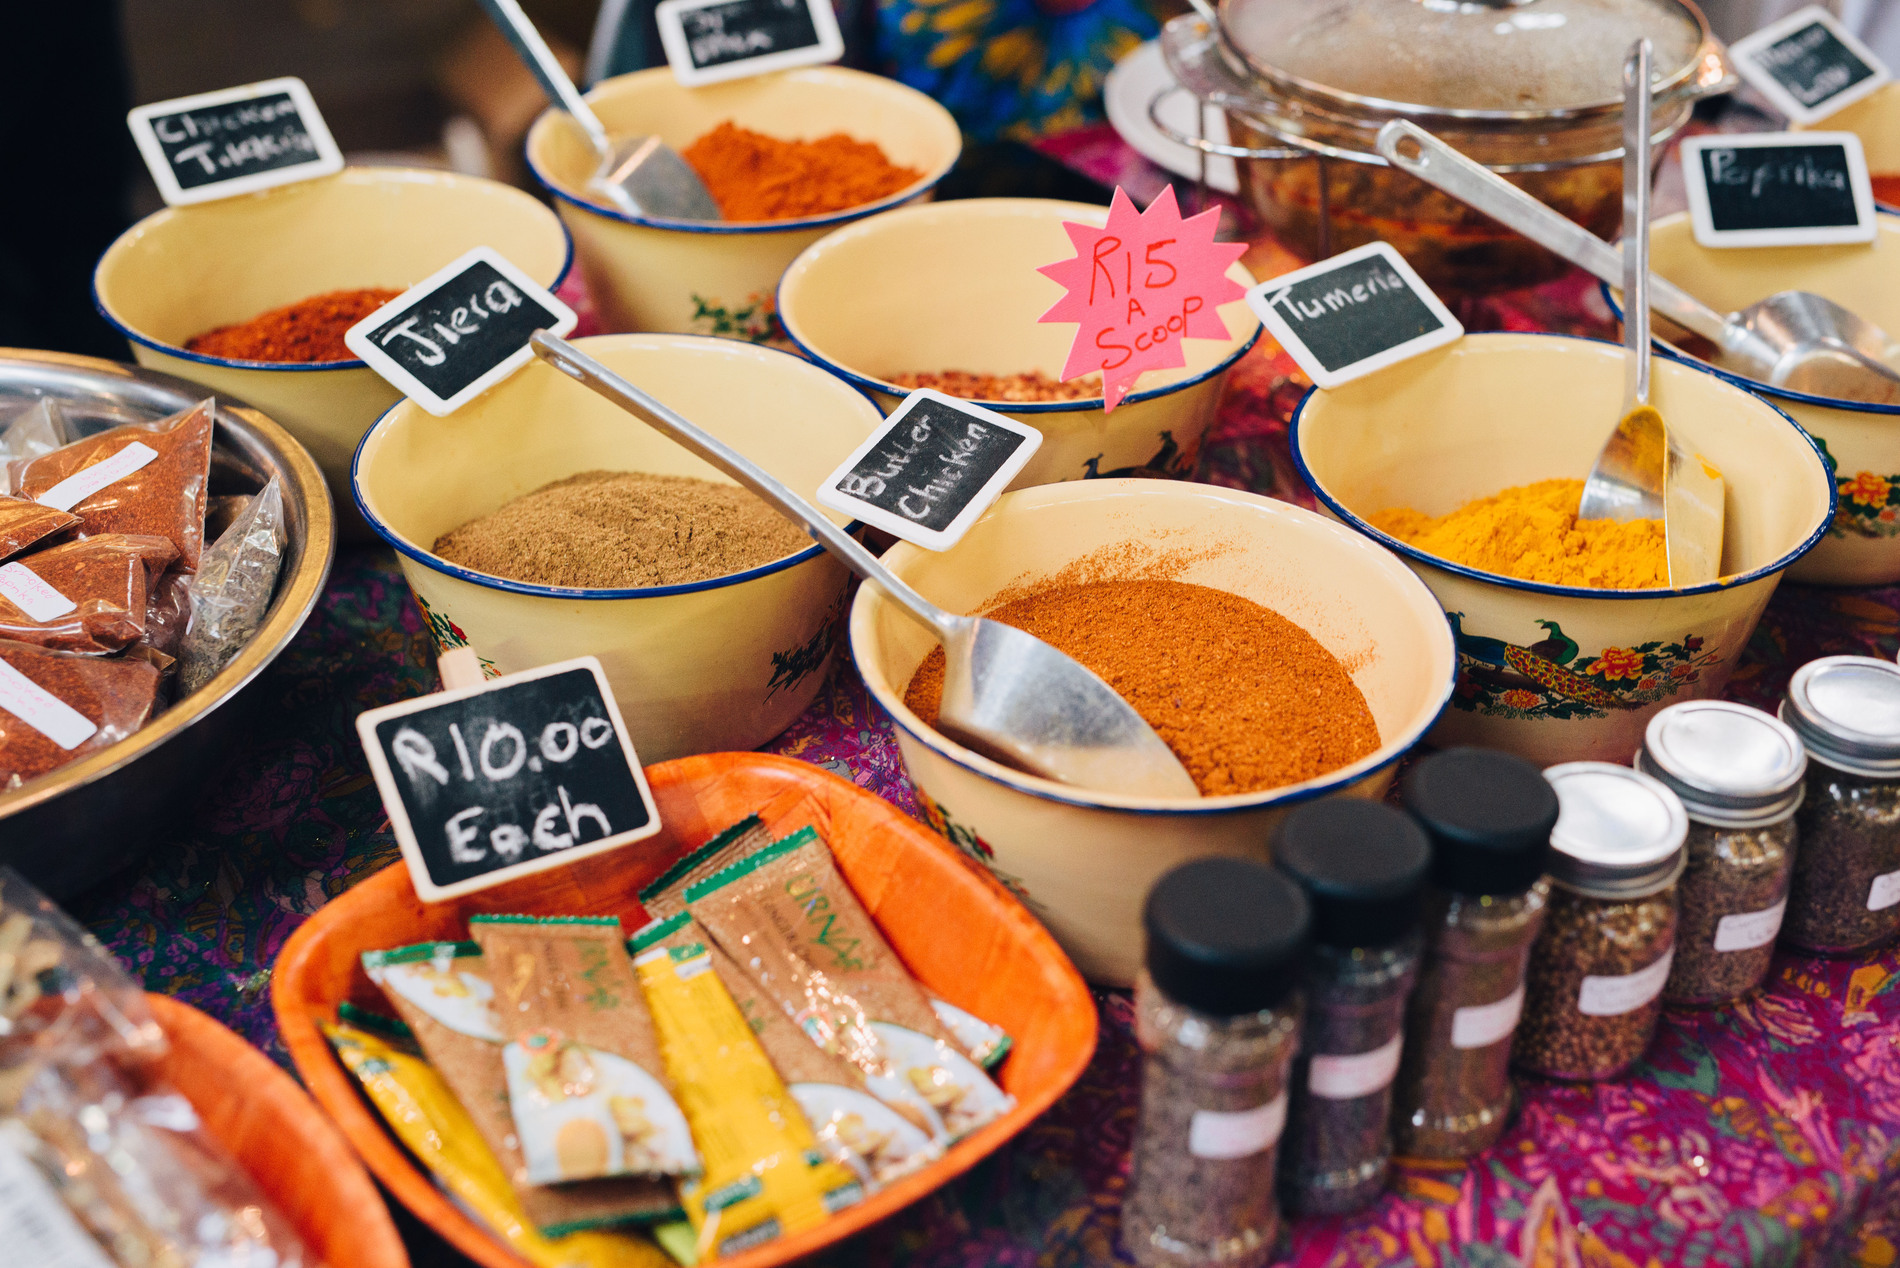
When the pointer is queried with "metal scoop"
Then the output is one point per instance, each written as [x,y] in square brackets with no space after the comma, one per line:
[641,175]
[1006,694]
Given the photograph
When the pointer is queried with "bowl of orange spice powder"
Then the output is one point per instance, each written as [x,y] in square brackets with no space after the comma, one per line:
[1469,461]
[789,156]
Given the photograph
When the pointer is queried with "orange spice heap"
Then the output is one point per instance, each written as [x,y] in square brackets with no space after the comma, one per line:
[1032,385]
[1532,533]
[308,330]
[757,177]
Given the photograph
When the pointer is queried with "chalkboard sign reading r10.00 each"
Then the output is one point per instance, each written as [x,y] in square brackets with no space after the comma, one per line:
[234,141]
[1808,65]
[707,41]
[1358,312]
[1779,189]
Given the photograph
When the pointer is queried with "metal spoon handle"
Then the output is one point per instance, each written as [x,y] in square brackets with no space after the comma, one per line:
[577,365]
[1636,284]
[540,59]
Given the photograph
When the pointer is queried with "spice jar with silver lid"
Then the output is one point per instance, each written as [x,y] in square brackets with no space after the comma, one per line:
[1363,867]
[1217,1015]
[1594,988]
[1738,773]
[1845,895]
[1488,816]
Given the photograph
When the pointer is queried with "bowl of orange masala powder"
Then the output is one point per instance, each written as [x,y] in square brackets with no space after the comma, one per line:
[788,156]
[1469,463]
[1281,656]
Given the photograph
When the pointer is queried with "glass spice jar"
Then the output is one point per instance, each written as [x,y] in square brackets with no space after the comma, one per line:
[1594,987]
[1217,1015]
[1845,895]
[1363,867]
[1738,772]
[1489,816]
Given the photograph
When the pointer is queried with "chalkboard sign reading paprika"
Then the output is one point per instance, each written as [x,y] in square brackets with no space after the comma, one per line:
[517,775]
[707,41]
[1343,318]
[1808,65]
[234,141]
[1778,189]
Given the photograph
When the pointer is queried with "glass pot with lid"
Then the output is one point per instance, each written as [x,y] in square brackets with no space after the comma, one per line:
[1530,88]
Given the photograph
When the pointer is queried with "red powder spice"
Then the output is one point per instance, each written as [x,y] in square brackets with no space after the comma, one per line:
[114,693]
[753,176]
[308,330]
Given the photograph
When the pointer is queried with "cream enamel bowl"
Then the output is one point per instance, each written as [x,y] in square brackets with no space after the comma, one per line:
[1563,673]
[1084,861]
[958,289]
[696,668]
[717,278]
[1875,119]
[185,270]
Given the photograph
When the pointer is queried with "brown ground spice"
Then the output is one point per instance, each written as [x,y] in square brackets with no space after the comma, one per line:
[621,529]
[1246,699]
[753,176]
[308,330]
[1033,385]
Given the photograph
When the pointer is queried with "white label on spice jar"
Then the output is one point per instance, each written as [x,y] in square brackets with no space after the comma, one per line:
[41,710]
[1362,1074]
[81,485]
[1614,996]
[1481,1025]
[1236,1133]
[1884,892]
[35,1225]
[1747,930]
[31,595]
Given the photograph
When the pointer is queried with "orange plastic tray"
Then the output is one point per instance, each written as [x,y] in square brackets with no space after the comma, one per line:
[260,1115]
[962,934]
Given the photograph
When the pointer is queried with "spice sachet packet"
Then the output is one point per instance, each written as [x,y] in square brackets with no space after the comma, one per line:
[586,1083]
[168,612]
[232,588]
[56,708]
[764,1175]
[38,429]
[87,596]
[792,923]
[441,991]
[24,522]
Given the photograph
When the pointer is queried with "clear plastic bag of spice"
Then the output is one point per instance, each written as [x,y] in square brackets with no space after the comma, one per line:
[232,589]
[88,596]
[56,707]
[38,428]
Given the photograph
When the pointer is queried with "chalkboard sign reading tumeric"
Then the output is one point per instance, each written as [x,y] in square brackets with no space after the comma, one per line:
[933,467]
[517,775]
[1808,65]
[707,41]
[1358,312]
[1776,189]
[234,141]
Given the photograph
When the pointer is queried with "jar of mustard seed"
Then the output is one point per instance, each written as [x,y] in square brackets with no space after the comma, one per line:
[1489,817]
[1845,895]
[1738,772]
[1362,866]
[1594,989]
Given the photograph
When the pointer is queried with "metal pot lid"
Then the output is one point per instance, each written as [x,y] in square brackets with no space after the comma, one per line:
[1731,765]
[1432,56]
[1619,833]
[1846,709]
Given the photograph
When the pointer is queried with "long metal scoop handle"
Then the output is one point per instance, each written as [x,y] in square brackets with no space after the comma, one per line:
[1635,251]
[576,364]
[540,59]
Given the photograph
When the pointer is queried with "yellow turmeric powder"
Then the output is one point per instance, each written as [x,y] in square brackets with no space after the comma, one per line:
[1532,533]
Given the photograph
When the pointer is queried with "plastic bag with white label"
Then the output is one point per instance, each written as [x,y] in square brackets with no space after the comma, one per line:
[56,707]
[232,589]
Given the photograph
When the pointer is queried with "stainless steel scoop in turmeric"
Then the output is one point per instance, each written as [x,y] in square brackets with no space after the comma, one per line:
[1006,694]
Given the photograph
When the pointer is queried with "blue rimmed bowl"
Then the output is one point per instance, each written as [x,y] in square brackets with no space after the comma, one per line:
[957,289]
[1564,673]
[717,278]
[1084,861]
[704,667]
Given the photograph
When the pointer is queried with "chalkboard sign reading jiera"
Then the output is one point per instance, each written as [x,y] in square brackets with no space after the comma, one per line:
[1808,65]
[1774,189]
[459,331]
[1358,312]
[234,141]
[707,41]
[933,467]
[517,775]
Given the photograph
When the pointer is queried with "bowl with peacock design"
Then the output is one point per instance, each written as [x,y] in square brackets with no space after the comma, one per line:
[1564,673]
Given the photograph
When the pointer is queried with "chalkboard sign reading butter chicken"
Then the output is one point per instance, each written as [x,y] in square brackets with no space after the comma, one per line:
[707,41]
[523,773]
[234,141]
[1355,313]
[1779,189]
[1808,65]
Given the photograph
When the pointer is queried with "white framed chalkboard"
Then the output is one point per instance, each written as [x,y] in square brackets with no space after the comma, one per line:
[1779,189]
[234,141]
[1808,65]
[518,775]
[709,41]
[1360,311]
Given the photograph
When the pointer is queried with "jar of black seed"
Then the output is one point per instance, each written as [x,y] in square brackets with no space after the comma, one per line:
[1738,772]
[1363,868]
[1845,895]
[1488,816]
[1594,989]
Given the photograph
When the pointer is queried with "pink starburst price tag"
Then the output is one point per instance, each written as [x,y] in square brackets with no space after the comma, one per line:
[1140,285]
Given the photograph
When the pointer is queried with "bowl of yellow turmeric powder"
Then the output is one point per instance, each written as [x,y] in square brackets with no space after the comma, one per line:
[1469,462]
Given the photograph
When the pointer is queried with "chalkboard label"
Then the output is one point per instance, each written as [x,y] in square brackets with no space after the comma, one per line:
[1778,189]
[933,467]
[1808,65]
[518,775]
[707,41]
[1358,312]
[217,144]
[459,331]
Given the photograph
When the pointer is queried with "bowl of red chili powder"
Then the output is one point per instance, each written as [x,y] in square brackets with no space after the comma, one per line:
[1282,657]
[788,156]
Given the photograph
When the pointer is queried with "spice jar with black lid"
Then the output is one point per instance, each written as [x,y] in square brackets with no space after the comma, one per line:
[1594,988]
[1363,868]
[1845,895]
[1217,1015]
[1738,772]
[1488,816]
